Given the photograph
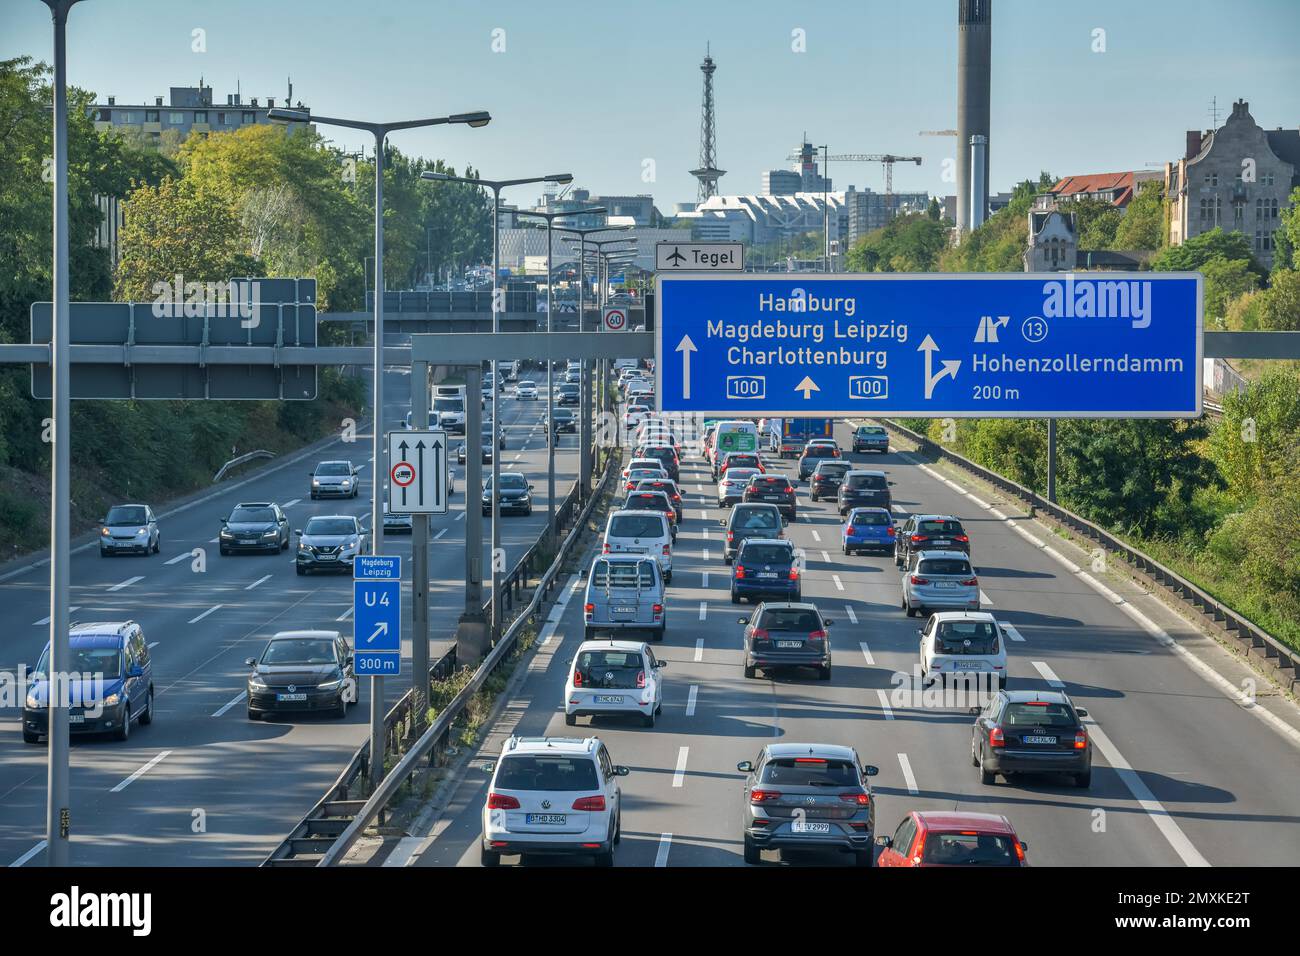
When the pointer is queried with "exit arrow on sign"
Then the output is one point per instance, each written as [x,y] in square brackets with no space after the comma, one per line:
[380,630]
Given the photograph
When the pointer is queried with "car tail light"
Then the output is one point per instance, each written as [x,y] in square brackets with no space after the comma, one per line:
[592,804]
[1081,739]
[606,548]
[891,531]
[794,574]
[1020,851]
[763,796]
[657,609]
[809,759]
[916,579]
[850,530]
[759,634]
[730,536]
[861,798]
[499,801]
[971,583]
[816,636]
[577,677]
[640,679]
[996,737]
[962,538]
[589,608]
[917,537]
[666,551]
[740,571]
[920,849]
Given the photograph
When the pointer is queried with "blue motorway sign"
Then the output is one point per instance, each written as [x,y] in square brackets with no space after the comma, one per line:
[1032,345]
[377,615]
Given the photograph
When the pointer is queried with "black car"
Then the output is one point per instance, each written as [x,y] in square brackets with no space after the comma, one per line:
[302,671]
[668,487]
[814,453]
[787,635]
[864,489]
[657,501]
[773,489]
[750,520]
[1031,731]
[825,480]
[254,526]
[514,495]
[666,456]
[766,569]
[929,533]
[563,420]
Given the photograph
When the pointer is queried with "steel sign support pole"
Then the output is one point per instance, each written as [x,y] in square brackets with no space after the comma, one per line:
[584,400]
[551,436]
[496,421]
[378,740]
[419,561]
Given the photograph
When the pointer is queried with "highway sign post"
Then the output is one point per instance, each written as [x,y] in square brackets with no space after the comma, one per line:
[417,472]
[377,615]
[613,319]
[1033,345]
[699,257]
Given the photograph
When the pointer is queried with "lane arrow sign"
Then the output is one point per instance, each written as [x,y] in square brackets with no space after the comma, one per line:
[380,631]
[403,446]
[686,347]
[807,386]
[950,366]
[419,463]
[438,473]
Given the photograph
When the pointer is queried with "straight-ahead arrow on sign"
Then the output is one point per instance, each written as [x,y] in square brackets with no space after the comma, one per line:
[686,347]
[807,386]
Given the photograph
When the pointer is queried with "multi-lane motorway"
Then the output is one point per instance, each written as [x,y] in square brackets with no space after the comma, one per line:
[1183,774]
[202,785]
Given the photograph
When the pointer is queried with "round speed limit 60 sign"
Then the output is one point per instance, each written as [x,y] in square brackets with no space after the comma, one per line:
[615,320]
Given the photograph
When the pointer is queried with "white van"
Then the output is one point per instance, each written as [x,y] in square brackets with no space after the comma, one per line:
[641,532]
[450,410]
[734,435]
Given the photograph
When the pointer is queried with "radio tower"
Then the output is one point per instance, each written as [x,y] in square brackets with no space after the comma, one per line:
[708,173]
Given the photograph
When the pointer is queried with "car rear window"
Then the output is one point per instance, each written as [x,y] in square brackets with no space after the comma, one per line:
[623,574]
[966,637]
[790,619]
[610,668]
[637,526]
[767,553]
[871,430]
[870,518]
[941,526]
[126,514]
[740,475]
[756,519]
[1033,714]
[819,451]
[770,482]
[810,772]
[943,566]
[864,482]
[742,461]
[969,849]
[646,501]
[546,772]
[835,468]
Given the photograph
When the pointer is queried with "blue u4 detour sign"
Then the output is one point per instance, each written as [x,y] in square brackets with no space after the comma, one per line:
[1033,345]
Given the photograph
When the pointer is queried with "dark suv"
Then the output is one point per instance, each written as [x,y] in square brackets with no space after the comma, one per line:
[813,453]
[864,489]
[826,478]
[666,457]
[750,521]
[254,526]
[1031,731]
[929,533]
[787,635]
[775,489]
[766,569]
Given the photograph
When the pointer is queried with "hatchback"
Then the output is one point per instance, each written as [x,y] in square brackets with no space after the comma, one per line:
[335,479]
[302,671]
[128,528]
[864,489]
[808,797]
[750,521]
[732,485]
[736,459]
[641,532]
[526,390]
[787,635]
[625,593]
[939,579]
[515,494]
[614,678]
[767,569]
[963,642]
[666,455]
[928,533]
[668,487]
[825,480]
[952,838]
[774,489]
[868,529]
[1031,731]
[552,795]
[653,501]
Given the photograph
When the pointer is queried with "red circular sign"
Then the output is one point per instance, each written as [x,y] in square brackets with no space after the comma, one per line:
[615,319]
[403,474]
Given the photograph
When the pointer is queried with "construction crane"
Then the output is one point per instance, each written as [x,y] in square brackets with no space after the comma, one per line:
[886,160]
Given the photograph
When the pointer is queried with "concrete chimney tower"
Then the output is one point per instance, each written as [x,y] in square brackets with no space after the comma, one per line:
[973,70]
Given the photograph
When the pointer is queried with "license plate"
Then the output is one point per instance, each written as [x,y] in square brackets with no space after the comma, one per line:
[767,574]
[549,819]
[609,698]
[624,610]
[807,827]
[968,665]
[286,698]
[936,543]
[945,584]
[1038,739]
[328,557]
[793,645]
[76,718]
[771,497]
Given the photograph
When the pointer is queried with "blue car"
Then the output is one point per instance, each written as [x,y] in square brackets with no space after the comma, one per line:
[868,529]
[767,568]
[110,686]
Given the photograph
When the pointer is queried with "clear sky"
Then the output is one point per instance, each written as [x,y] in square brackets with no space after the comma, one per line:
[598,87]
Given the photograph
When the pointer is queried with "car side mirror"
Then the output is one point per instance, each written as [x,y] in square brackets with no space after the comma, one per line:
[659,665]
[135,670]
[489,768]
[1024,846]
[974,711]
[745,766]
[250,661]
[722,522]
[885,841]
[530,486]
[622,771]
[742,620]
[223,521]
[829,622]
[869,770]
[298,531]
[1081,712]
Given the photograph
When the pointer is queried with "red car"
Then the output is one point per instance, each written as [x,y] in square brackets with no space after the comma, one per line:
[952,838]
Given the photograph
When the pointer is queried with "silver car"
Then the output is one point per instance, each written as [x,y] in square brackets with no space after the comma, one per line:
[330,543]
[625,593]
[129,528]
[935,580]
[335,479]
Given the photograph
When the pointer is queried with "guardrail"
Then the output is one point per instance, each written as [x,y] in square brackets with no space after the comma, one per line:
[241,460]
[331,827]
[1253,640]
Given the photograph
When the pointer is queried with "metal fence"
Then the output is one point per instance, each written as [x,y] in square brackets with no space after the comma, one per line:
[1263,648]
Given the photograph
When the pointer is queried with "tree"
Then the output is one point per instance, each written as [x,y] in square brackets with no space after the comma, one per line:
[1226,280]
[1016,448]
[1143,225]
[906,244]
[1280,305]
[1095,220]
[934,210]
[1198,250]
[1286,254]
[999,244]
[1258,438]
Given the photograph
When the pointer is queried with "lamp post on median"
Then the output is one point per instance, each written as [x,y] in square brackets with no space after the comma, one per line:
[551,436]
[620,245]
[420,671]
[496,185]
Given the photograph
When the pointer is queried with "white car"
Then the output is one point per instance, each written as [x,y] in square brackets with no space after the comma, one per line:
[963,642]
[634,415]
[731,486]
[552,795]
[641,532]
[644,463]
[612,678]
[526,390]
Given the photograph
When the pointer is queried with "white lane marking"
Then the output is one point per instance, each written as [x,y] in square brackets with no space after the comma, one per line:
[908,776]
[826,557]
[29,854]
[1145,798]
[705,576]
[153,644]
[127,583]
[817,537]
[262,579]
[195,620]
[440,533]
[866,652]
[179,558]
[1047,674]
[699,489]
[460,516]
[699,648]
[985,600]
[404,851]
[557,612]
[291,502]
[704,515]
[839,585]
[679,774]
[898,509]
[704,610]
[661,855]
[46,619]
[884,704]
[705,554]
[140,773]
[517,457]
[226,706]
[1011,631]
[704,533]
[690,700]
[345,615]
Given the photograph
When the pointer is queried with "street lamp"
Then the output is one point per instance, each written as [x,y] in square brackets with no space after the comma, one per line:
[551,435]
[496,185]
[419,643]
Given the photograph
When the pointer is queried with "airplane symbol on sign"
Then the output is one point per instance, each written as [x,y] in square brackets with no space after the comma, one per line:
[676,257]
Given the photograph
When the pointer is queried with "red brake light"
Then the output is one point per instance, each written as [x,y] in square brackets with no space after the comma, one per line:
[920,580]
[629,486]
[1081,739]
[740,571]
[640,679]
[730,536]
[971,583]
[499,801]
[961,537]
[861,798]
[794,574]
[606,548]
[759,634]
[891,531]
[996,738]
[594,804]
[1020,851]
[657,609]
[918,537]
[920,848]
[763,796]
[850,530]
[816,636]
[666,551]
[809,760]
[577,677]
[589,608]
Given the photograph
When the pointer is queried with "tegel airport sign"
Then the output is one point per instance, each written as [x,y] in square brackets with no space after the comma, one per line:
[1033,345]
[699,256]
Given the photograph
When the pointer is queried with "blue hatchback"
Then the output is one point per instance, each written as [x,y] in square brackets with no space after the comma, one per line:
[767,568]
[868,529]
